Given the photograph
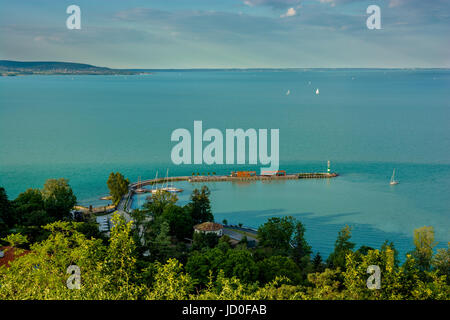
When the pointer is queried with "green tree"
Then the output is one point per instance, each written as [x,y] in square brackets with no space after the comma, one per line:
[396,283]
[200,263]
[171,283]
[31,214]
[107,272]
[203,240]
[390,245]
[279,266]
[58,198]
[277,234]
[31,225]
[286,236]
[424,244]
[364,250]
[26,203]
[301,250]
[441,262]
[90,230]
[6,219]
[118,186]
[325,285]
[120,260]
[160,248]
[239,263]
[318,264]
[342,247]
[200,206]
[180,221]
[159,201]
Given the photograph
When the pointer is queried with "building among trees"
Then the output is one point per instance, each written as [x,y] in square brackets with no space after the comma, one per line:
[209,227]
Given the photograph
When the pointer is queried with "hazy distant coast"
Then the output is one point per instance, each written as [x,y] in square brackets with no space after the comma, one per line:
[19,68]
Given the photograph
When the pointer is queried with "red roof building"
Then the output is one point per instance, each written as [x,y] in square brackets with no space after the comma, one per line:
[209,227]
[8,254]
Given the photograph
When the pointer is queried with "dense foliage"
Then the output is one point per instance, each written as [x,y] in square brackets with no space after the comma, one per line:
[118,186]
[158,256]
[35,208]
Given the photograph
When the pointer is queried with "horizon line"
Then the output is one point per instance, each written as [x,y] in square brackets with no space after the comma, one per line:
[224,68]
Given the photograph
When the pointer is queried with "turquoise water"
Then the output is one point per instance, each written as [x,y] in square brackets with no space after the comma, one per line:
[366,122]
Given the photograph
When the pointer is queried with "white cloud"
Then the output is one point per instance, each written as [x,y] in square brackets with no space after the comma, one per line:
[331,2]
[289,13]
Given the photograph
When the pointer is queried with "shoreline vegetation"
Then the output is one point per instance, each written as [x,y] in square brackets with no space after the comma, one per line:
[18,68]
[154,253]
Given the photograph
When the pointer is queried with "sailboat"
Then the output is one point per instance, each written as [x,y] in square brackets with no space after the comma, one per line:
[317,91]
[155,189]
[288,92]
[140,189]
[393,181]
[170,188]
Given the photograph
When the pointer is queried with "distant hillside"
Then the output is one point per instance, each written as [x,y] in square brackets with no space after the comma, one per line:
[13,68]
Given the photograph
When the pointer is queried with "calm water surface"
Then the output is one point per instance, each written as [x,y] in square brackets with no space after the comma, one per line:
[366,122]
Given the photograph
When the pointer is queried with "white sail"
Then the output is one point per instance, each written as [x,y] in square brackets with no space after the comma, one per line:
[153,185]
[393,181]
[317,91]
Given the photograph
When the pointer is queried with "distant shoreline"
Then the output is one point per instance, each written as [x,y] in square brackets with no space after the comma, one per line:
[10,68]
[22,68]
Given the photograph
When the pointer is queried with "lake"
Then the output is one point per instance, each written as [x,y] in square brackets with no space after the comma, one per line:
[366,122]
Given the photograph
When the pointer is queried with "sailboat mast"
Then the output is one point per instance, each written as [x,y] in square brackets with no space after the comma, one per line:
[167,178]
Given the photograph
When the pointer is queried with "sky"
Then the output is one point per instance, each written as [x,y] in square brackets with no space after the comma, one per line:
[156,34]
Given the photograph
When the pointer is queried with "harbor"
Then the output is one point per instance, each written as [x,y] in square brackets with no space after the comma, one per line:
[235,176]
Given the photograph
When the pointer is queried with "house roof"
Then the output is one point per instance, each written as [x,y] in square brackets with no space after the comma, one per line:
[9,255]
[208,226]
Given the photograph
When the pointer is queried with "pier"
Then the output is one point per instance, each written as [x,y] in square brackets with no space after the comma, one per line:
[124,205]
[214,178]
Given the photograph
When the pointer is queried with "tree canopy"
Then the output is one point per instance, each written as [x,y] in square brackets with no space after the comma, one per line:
[118,186]
[342,247]
[58,198]
[200,206]
[149,258]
